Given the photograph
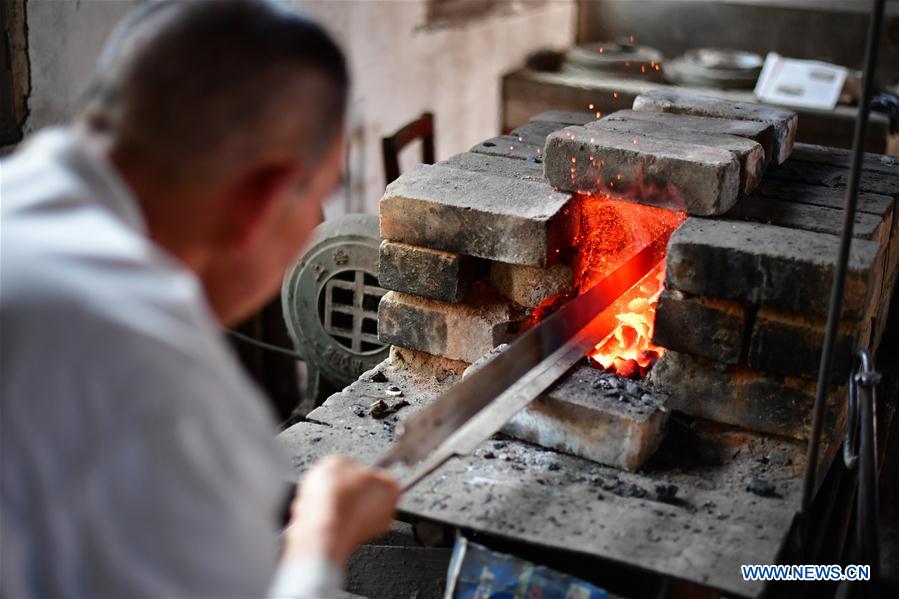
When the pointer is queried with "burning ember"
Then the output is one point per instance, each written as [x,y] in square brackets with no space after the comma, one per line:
[629,350]
[610,232]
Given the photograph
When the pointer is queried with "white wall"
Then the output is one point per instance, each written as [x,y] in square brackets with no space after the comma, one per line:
[400,69]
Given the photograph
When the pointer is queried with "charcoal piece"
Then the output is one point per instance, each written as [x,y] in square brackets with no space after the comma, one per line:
[666,493]
[378,409]
[762,488]
[378,377]
[381,409]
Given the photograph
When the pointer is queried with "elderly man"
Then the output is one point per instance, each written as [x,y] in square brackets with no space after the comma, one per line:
[137,459]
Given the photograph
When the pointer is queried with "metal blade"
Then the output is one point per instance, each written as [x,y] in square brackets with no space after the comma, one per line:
[515,377]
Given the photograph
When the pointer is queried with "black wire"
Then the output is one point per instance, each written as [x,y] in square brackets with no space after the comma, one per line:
[266,346]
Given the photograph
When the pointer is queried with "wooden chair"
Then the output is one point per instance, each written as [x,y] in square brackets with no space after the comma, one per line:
[421,128]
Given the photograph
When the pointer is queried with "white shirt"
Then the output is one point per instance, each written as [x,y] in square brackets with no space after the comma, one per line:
[136,457]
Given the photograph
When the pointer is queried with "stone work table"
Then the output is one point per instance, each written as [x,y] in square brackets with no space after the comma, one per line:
[701,532]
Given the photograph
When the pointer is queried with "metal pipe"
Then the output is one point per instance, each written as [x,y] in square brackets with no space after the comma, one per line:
[839,280]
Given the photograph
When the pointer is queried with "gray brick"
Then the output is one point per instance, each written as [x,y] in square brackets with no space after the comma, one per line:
[767,265]
[699,179]
[462,331]
[761,133]
[579,419]
[422,271]
[499,166]
[790,344]
[497,218]
[888,165]
[707,327]
[564,117]
[510,147]
[529,285]
[749,153]
[784,122]
[829,197]
[814,173]
[740,396]
[535,132]
[807,217]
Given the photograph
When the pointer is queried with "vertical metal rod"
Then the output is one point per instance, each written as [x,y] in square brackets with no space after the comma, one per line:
[839,279]
[867,522]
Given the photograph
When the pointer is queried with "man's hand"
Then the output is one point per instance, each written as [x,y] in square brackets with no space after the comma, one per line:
[339,506]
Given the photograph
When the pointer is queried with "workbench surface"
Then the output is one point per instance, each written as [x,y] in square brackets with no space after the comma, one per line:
[701,532]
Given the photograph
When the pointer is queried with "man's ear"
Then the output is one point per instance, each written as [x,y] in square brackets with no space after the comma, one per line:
[251,197]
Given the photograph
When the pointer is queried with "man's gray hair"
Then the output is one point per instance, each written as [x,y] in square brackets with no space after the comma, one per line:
[199,87]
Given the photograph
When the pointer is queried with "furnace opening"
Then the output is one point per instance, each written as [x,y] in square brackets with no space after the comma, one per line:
[607,233]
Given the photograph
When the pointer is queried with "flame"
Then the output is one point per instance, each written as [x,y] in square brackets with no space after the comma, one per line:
[629,350]
[610,232]
[607,233]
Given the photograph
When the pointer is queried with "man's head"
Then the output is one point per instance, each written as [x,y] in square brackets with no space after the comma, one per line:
[226,118]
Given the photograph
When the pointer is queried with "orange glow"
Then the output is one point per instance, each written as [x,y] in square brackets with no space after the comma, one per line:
[609,232]
[629,350]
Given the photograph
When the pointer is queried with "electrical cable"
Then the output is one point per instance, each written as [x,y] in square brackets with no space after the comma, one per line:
[266,346]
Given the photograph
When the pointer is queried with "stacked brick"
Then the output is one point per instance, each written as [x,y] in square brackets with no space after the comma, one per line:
[474,243]
[470,247]
[748,275]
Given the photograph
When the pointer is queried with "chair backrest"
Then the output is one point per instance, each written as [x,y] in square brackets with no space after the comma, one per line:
[421,128]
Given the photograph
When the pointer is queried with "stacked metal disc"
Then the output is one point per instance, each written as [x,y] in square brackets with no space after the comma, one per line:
[715,68]
[616,59]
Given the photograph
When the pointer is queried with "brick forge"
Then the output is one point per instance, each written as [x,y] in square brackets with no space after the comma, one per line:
[477,243]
